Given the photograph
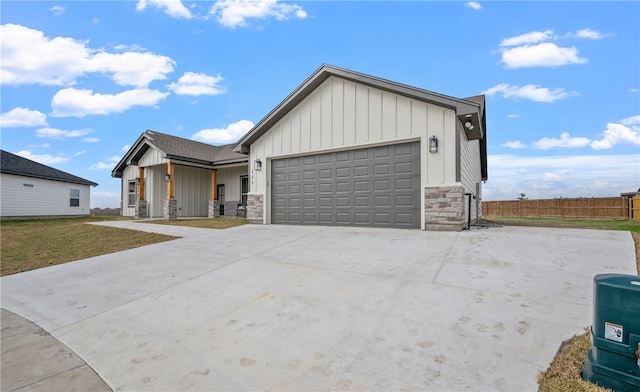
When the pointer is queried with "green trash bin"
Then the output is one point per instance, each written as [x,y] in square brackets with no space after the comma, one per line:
[614,359]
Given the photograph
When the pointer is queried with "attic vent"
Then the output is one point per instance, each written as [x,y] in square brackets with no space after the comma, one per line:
[28,185]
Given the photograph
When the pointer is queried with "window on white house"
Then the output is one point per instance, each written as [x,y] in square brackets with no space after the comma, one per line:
[74,198]
[132,193]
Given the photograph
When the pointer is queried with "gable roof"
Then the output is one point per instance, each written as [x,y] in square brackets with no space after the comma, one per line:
[19,166]
[470,109]
[178,148]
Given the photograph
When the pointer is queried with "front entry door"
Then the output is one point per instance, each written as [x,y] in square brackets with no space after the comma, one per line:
[221,199]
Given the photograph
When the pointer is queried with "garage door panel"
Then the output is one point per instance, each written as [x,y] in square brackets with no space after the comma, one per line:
[377,186]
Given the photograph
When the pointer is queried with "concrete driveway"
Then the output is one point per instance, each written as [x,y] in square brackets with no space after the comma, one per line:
[325,308]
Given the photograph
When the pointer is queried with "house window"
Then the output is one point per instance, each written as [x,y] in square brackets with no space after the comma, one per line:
[74,198]
[244,189]
[132,193]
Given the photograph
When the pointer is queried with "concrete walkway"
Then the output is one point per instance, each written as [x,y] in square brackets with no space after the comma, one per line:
[324,308]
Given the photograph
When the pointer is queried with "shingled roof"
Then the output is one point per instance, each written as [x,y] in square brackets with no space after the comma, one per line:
[19,166]
[177,148]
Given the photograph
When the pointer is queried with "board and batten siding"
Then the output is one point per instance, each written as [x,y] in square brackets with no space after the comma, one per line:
[27,196]
[230,178]
[343,115]
[152,157]
[470,171]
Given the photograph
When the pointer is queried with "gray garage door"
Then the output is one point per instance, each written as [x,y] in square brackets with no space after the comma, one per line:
[378,186]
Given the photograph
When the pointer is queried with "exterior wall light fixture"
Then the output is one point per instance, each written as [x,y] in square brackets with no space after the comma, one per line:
[167,177]
[257,165]
[433,144]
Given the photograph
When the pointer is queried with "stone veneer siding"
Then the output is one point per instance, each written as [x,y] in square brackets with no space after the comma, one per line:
[255,208]
[141,209]
[230,208]
[170,209]
[444,208]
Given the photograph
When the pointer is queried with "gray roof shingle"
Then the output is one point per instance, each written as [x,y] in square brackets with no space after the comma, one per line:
[174,147]
[17,165]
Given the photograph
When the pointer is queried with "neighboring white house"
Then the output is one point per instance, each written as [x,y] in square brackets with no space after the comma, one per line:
[171,177]
[346,148]
[30,189]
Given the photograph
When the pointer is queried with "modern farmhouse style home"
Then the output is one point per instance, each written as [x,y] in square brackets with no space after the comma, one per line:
[31,190]
[344,148]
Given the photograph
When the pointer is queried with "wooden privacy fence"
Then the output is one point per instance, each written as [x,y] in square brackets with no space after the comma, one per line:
[581,208]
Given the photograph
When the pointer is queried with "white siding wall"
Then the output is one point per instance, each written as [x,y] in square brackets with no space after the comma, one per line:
[44,198]
[341,114]
[470,170]
[152,157]
[192,190]
[230,177]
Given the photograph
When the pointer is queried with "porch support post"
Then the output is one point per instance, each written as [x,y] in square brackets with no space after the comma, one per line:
[213,203]
[141,183]
[171,182]
[171,204]
[141,203]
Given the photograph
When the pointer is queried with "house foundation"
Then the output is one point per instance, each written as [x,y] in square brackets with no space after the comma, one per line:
[444,208]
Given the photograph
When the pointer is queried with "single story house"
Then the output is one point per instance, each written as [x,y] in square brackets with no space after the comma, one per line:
[30,190]
[172,177]
[344,148]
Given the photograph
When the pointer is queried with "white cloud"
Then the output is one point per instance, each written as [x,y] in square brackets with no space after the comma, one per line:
[90,140]
[29,57]
[57,10]
[231,133]
[551,177]
[529,91]
[565,141]
[515,145]
[233,13]
[45,159]
[61,134]
[79,103]
[192,83]
[104,199]
[590,34]
[633,90]
[131,68]
[514,116]
[173,8]
[546,54]
[627,131]
[528,38]
[126,147]
[473,4]
[22,117]
[600,185]
[509,175]
[109,164]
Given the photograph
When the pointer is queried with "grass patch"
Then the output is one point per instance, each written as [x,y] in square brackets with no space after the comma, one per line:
[608,224]
[37,243]
[565,372]
[208,223]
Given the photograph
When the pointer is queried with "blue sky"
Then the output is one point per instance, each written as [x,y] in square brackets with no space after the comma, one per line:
[81,80]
